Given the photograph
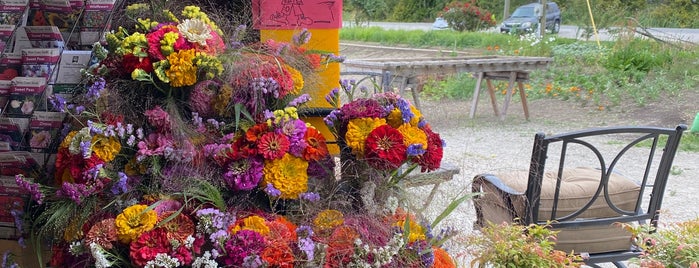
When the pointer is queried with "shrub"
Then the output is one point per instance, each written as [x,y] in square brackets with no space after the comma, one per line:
[467,17]
[676,246]
[512,245]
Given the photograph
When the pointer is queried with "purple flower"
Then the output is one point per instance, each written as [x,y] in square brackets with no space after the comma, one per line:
[362,108]
[310,196]
[236,36]
[271,191]
[300,100]
[17,216]
[94,91]
[243,244]
[121,186]
[27,107]
[32,188]
[306,243]
[121,130]
[404,107]
[58,103]
[244,174]
[93,128]
[294,129]
[40,140]
[159,118]
[302,37]
[415,150]
[80,109]
[73,191]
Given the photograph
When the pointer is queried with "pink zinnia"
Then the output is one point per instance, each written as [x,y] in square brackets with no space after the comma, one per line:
[159,118]
[273,145]
[154,45]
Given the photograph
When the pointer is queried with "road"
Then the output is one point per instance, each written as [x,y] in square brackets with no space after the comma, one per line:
[567,31]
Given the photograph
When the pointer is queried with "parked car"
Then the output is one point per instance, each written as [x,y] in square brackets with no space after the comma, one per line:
[440,24]
[526,19]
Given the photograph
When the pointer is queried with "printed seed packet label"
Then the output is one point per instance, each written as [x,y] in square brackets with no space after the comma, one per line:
[5,86]
[11,11]
[6,31]
[44,127]
[26,96]
[12,132]
[95,21]
[44,36]
[72,62]
[40,62]
[60,13]
[18,162]
[10,65]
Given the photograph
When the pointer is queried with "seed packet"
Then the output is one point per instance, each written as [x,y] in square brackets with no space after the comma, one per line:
[62,14]
[6,33]
[44,128]
[36,15]
[40,62]
[95,21]
[18,162]
[12,133]
[12,11]
[5,86]
[44,36]
[10,65]
[26,96]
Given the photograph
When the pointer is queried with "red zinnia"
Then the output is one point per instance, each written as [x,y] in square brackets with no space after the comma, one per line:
[148,245]
[385,148]
[255,132]
[278,255]
[273,145]
[241,149]
[432,158]
[316,148]
[179,227]
[131,63]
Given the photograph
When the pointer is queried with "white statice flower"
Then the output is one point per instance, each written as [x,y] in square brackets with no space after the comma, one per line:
[163,260]
[204,261]
[195,30]
[189,242]
[99,255]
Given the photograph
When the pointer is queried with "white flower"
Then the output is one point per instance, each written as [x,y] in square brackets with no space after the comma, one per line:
[163,260]
[101,260]
[196,31]
[204,261]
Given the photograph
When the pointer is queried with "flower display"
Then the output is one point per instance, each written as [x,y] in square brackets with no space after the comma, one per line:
[167,160]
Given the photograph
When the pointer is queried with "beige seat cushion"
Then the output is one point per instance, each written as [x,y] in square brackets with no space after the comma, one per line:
[577,188]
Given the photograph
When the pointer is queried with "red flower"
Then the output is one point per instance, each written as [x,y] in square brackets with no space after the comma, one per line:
[340,247]
[131,63]
[278,255]
[156,36]
[254,133]
[148,245]
[316,148]
[385,148]
[432,158]
[281,230]
[241,149]
[273,145]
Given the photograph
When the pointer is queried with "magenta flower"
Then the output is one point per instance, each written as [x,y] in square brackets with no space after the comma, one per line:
[159,118]
[244,174]
[40,140]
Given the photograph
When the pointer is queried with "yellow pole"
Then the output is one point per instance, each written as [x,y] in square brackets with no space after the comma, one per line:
[594,28]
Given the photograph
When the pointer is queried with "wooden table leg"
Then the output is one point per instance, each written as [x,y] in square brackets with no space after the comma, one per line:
[508,96]
[493,100]
[476,92]
[523,96]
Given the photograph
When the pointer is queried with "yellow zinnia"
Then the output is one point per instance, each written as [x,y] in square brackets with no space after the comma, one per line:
[253,223]
[417,116]
[182,71]
[297,77]
[288,175]
[134,221]
[106,148]
[357,131]
[395,118]
[413,135]
[68,139]
[328,219]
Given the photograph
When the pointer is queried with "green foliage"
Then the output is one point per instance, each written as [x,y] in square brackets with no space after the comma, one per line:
[511,245]
[417,10]
[464,16]
[674,246]
[457,87]
[637,55]
[673,13]
[367,10]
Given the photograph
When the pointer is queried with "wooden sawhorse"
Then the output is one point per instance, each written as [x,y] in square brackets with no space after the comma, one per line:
[512,76]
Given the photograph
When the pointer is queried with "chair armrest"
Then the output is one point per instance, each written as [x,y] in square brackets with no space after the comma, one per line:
[497,182]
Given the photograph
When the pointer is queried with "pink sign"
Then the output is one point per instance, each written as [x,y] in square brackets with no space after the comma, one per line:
[296,14]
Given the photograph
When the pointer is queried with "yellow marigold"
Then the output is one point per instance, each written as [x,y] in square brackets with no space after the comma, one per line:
[416,231]
[297,77]
[357,131]
[288,175]
[395,118]
[134,221]
[68,139]
[328,219]
[253,223]
[182,71]
[106,148]
[417,116]
[413,135]
[220,102]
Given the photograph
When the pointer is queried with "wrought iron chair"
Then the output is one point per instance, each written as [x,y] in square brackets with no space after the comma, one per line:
[583,183]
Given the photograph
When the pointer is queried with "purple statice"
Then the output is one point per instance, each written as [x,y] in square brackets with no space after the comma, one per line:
[95,90]
[300,100]
[211,220]
[17,215]
[94,128]
[67,127]
[271,191]
[213,123]
[79,109]
[348,85]
[244,174]
[422,123]
[32,188]
[85,148]
[330,119]
[120,130]
[197,121]
[219,237]
[362,108]
[305,242]
[244,243]
[267,115]
[159,119]
[139,133]
[423,248]
[310,196]
[266,85]
[58,103]
[236,37]
[122,185]
[302,37]
[73,191]
[92,174]
[129,129]
[330,57]
[333,97]
[253,261]
[110,131]
[404,107]
[131,141]
[415,150]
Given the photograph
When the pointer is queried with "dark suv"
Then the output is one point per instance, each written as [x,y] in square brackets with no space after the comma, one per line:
[525,19]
